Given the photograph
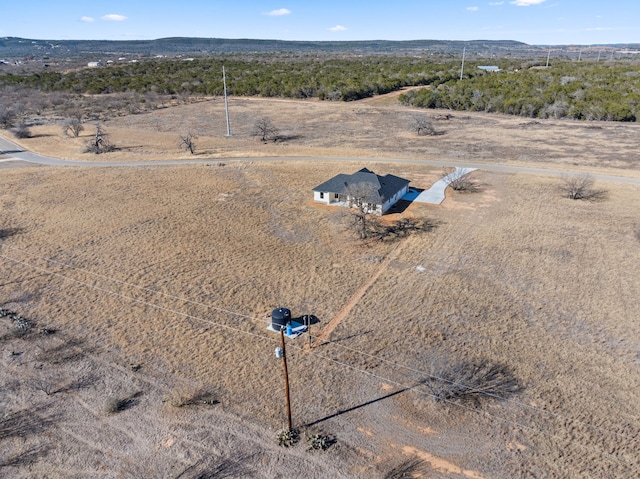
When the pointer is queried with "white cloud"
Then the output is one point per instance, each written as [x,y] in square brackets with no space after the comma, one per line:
[527,3]
[114,17]
[472,9]
[87,19]
[495,4]
[338,28]
[279,12]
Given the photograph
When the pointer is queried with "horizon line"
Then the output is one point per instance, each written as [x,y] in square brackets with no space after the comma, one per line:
[318,41]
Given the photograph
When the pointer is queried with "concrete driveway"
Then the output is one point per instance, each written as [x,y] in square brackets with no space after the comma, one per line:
[435,194]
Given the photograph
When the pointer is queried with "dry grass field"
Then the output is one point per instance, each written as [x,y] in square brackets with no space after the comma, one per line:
[156,281]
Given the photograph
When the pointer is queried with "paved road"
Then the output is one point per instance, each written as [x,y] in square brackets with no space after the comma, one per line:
[10,152]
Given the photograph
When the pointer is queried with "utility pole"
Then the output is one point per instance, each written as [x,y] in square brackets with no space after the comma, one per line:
[548,56]
[286,379]
[464,50]
[226,103]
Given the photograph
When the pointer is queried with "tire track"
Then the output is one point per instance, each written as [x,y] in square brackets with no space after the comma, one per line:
[323,337]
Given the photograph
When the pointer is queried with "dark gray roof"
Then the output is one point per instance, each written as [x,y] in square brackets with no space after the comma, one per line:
[375,188]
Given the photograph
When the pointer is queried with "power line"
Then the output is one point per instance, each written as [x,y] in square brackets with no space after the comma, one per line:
[379,358]
[493,416]
[136,300]
[141,288]
[341,363]
[251,318]
[473,389]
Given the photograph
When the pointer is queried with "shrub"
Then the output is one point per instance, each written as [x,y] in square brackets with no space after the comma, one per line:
[288,438]
[412,467]
[100,142]
[580,187]
[46,386]
[21,131]
[191,396]
[457,381]
[7,117]
[319,442]
[116,404]
[422,126]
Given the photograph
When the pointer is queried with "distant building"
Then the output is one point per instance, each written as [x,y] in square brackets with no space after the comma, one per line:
[489,68]
[95,64]
[379,192]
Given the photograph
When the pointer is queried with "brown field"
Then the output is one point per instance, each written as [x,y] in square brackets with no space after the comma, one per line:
[157,280]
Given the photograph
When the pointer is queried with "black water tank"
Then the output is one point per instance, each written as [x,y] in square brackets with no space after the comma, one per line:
[280,317]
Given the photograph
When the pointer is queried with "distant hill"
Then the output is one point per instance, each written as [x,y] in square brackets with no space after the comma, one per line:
[13,47]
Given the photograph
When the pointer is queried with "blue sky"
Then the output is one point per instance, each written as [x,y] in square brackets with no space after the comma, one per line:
[531,21]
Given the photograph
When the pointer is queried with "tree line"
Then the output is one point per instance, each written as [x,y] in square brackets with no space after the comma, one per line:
[580,91]
[576,90]
[324,78]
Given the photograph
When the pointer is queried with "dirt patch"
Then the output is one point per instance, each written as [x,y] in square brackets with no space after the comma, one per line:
[439,464]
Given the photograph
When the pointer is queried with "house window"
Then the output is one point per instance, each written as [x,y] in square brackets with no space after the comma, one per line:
[321,195]
[336,196]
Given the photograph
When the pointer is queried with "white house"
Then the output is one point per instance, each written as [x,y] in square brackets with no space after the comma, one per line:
[378,192]
[489,68]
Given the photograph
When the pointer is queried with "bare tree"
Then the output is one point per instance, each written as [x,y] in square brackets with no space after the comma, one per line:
[76,113]
[20,109]
[401,229]
[265,129]
[422,126]
[38,102]
[72,126]
[580,187]
[364,219]
[460,180]
[100,142]
[151,100]
[46,386]
[407,468]
[457,381]
[7,116]
[187,143]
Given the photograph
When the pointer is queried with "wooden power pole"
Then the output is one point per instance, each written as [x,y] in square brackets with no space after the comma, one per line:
[286,379]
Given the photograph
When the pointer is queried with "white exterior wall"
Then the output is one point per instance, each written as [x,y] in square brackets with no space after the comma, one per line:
[325,200]
[392,201]
[329,198]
